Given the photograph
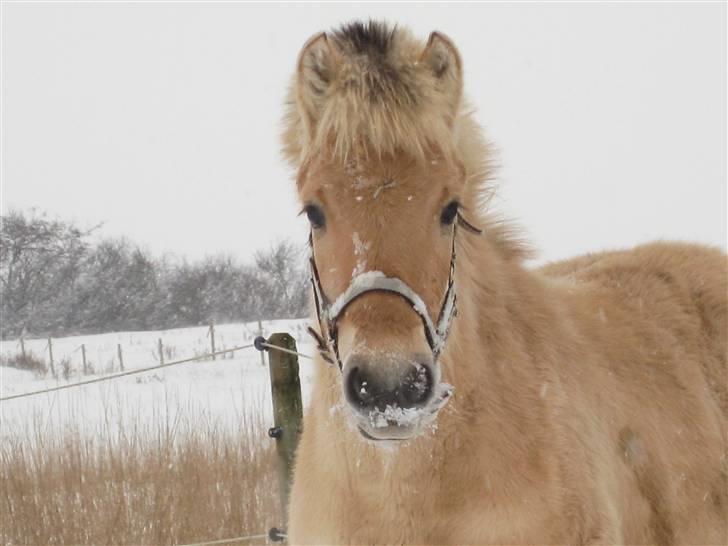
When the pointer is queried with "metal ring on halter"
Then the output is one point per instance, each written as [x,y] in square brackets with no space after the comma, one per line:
[328,313]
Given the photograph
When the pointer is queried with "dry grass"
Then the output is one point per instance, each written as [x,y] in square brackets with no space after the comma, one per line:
[28,361]
[170,482]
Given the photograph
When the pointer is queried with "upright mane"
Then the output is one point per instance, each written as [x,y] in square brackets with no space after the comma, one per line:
[368,90]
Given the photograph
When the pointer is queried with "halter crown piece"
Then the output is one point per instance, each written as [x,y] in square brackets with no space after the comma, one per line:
[328,313]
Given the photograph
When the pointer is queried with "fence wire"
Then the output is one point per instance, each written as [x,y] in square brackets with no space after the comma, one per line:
[228,540]
[126,373]
[284,350]
[148,369]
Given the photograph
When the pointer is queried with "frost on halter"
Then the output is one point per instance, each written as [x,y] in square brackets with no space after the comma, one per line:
[376,281]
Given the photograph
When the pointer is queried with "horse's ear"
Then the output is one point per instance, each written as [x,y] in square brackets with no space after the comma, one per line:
[441,57]
[317,64]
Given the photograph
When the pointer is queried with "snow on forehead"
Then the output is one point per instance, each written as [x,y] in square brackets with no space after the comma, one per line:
[362,174]
[360,178]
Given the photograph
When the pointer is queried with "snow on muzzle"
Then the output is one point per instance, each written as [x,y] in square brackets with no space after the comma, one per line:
[393,398]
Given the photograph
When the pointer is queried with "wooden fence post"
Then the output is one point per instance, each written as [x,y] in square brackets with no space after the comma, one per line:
[50,356]
[212,339]
[22,350]
[121,357]
[83,358]
[260,333]
[161,351]
[287,411]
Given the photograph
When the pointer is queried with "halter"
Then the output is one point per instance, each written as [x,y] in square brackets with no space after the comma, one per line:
[328,313]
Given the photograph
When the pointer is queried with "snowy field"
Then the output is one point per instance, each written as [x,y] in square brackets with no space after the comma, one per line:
[215,392]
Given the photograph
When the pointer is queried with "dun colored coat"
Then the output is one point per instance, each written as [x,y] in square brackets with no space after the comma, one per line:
[590,396]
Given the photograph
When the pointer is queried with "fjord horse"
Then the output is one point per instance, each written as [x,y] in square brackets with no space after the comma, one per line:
[460,397]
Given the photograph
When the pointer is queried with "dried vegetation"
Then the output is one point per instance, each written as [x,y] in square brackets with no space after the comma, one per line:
[177,480]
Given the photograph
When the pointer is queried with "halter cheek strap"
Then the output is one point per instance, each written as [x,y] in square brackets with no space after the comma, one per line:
[329,313]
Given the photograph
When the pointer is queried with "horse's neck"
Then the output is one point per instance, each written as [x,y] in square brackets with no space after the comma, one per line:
[503,347]
[506,315]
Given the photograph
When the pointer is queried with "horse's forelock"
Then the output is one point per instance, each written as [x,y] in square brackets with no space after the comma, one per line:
[372,88]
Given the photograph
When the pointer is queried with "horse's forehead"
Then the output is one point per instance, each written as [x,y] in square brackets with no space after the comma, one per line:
[375,177]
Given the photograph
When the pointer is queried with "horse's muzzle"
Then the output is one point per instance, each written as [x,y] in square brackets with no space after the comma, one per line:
[391,398]
[405,386]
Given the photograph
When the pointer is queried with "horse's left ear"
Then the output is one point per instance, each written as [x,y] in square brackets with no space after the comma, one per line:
[441,57]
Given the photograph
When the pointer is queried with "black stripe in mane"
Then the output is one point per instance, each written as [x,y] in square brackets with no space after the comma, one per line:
[372,38]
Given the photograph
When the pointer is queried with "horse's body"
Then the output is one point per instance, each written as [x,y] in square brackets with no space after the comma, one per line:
[590,402]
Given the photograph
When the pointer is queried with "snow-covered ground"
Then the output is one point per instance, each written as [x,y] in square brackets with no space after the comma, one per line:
[217,391]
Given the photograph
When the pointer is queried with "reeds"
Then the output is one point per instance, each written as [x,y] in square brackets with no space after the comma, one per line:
[177,479]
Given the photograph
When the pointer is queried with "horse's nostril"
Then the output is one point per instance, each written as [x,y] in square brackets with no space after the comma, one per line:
[358,390]
[416,387]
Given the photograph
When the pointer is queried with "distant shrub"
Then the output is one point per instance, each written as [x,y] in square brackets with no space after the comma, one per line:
[65,366]
[28,362]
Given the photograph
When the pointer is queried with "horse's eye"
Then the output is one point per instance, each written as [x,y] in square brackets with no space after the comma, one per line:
[315,216]
[447,217]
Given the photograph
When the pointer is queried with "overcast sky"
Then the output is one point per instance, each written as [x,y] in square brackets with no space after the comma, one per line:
[162,119]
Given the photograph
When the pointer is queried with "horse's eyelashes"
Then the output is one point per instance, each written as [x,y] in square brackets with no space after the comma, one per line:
[315,216]
[449,213]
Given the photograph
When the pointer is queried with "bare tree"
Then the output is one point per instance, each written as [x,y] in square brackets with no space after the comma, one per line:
[39,258]
[52,281]
[284,281]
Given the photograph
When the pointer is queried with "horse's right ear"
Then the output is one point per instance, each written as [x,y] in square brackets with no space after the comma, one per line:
[317,64]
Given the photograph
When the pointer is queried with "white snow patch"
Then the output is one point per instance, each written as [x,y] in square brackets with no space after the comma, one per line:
[356,172]
[406,417]
[220,391]
[393,415]
[443,392]
[336,408]
[360,249]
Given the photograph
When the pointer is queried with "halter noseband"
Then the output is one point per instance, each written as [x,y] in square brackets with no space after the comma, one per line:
[328,313]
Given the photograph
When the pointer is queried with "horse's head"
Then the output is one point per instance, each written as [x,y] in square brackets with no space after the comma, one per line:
[372,130]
